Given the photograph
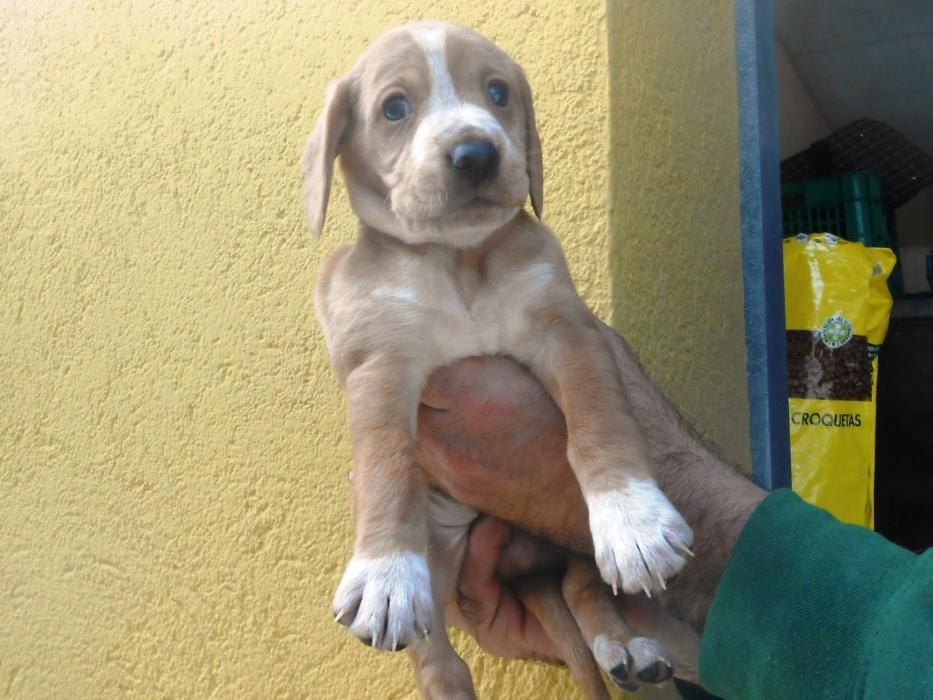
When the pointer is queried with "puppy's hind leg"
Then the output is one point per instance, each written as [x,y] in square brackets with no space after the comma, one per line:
[440,672]
[541,594]
[626,657]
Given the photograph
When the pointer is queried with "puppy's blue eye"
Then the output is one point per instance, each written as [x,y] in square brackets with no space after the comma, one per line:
[396,108]
[498,93]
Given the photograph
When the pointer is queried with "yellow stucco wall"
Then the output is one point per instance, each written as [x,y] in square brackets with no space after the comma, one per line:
[675,249]
[173,455]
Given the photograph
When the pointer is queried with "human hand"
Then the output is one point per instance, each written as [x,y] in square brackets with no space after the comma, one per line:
[488,608]
[491,437]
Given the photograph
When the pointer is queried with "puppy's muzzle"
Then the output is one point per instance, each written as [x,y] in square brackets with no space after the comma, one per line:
[475,161]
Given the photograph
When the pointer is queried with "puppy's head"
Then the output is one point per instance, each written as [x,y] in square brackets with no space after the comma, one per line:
[436,132]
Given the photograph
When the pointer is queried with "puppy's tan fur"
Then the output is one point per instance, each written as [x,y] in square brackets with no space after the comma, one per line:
[445,268]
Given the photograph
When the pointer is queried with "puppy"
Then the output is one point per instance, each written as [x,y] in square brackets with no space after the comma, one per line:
[436,134]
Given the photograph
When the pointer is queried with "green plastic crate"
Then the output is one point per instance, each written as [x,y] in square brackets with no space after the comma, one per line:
[850,206]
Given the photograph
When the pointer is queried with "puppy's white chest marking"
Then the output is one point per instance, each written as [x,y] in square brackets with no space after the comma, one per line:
[454,316]
[538,277]
[436,306]
[403,294]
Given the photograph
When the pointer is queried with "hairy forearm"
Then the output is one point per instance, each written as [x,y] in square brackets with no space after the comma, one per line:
[712,495]
[716,501]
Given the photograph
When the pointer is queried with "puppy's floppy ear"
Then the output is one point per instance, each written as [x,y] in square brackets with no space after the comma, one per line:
[317,162]
[534,159]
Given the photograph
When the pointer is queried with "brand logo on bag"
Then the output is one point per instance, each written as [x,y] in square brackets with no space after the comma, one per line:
[836,331]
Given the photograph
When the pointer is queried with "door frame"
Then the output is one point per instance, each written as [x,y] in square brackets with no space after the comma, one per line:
[762,255]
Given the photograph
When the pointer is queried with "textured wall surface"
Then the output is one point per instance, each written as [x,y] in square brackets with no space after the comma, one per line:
[174,512]
[173,453]
[675,239]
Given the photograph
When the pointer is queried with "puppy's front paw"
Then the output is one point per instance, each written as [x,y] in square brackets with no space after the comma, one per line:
[386,601]
[639,538]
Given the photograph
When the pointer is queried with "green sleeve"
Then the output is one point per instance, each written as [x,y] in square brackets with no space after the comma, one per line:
[811,608]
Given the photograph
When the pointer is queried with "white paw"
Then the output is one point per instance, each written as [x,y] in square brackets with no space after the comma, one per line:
[639,538]
[386,601]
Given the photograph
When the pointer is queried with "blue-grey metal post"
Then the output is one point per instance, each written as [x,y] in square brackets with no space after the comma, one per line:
[759,150]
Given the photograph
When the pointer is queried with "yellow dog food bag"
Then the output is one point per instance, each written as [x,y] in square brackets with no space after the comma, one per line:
[837,306]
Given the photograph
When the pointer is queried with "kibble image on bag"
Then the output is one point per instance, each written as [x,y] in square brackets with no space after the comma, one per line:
[820,371]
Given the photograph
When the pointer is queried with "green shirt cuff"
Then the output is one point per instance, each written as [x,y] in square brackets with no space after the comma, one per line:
[809,607]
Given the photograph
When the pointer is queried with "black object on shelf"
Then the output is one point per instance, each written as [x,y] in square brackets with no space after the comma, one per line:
[904,453]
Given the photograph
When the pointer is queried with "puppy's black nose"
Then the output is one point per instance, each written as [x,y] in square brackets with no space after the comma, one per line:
[475,160]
